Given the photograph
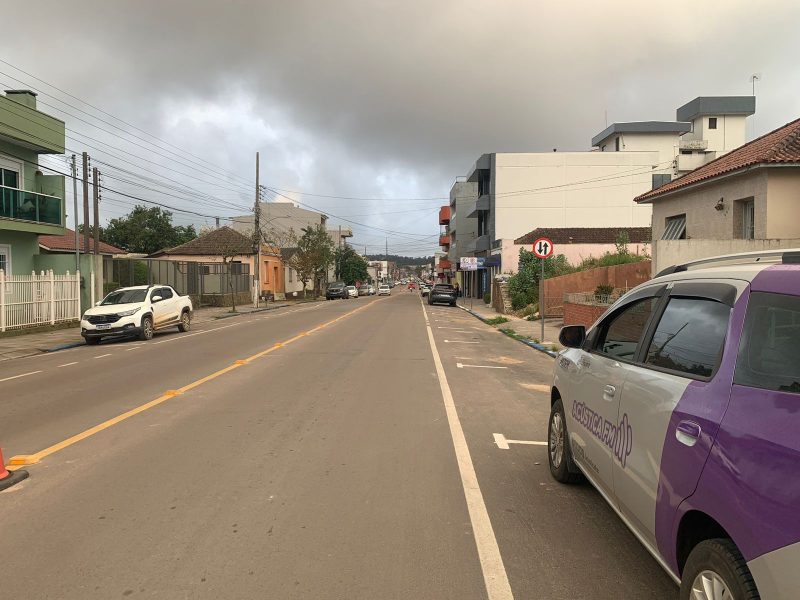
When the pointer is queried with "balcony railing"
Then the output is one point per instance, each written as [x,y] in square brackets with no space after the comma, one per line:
[30,206]
[444,215]
[444,240]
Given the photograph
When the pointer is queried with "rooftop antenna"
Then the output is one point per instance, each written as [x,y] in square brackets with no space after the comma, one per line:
[753,78]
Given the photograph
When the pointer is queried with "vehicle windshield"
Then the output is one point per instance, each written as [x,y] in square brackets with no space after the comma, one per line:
[124,297]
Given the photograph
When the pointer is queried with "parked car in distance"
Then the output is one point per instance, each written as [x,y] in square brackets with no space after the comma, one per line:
[679,406]
[352,292]
[136,312]
[442,292]
[424,289]
[363,290]
[371,290]
[384,290]
[336,290]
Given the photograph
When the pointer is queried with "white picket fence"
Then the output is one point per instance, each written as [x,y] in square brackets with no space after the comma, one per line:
[44,299]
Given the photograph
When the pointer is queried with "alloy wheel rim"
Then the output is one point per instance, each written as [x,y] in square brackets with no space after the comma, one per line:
[148,328]
[709,585]
[186,321]
[556,440]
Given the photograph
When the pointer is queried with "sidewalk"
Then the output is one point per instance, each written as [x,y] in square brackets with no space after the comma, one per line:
[522,327]
[29,344]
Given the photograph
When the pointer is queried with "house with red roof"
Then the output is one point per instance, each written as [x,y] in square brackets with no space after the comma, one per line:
[746,200]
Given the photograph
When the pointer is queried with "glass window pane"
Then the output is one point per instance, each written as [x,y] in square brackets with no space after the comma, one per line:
[622,336]
[689,336]
[769,352]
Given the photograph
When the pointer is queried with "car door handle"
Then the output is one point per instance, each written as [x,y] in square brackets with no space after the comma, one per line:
[687,433]
[609,390]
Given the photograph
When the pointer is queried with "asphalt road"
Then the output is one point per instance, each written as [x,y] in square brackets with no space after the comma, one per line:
[320,452]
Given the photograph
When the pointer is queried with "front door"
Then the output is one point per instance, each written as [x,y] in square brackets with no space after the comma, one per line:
[598,436]
[678,367]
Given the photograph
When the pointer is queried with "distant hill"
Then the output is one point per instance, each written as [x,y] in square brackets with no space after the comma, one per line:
[403,261]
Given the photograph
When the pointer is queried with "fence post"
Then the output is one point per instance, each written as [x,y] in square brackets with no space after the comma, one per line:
[76,291]
[52,281]
[2,300]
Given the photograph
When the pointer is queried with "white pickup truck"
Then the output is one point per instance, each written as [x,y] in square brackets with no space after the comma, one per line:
[136,312]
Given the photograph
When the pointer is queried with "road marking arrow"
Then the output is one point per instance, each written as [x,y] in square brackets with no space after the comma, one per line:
[503,443]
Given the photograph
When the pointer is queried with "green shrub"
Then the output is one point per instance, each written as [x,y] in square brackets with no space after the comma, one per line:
[604,290]
[527,311]
[496,320]
[110,287]
[487,298]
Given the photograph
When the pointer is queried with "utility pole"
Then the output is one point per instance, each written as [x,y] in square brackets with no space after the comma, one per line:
[216,221]
[86,203]
[96,198]
[74,164]
[340,236]
[257,238]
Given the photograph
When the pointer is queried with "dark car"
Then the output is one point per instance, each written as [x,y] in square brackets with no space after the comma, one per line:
[442,292]
[336,290]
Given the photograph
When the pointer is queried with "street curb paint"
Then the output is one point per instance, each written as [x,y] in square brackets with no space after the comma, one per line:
[528,343]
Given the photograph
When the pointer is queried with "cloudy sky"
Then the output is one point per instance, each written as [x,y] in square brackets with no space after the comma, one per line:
[382,102]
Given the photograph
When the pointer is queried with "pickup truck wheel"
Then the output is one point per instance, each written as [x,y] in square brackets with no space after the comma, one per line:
[92,341]
[147,329]
[186,322]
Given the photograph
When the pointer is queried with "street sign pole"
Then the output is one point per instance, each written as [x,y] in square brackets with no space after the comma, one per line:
[541,299]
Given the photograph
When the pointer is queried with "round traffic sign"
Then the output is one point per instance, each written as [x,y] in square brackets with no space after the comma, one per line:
[543,248]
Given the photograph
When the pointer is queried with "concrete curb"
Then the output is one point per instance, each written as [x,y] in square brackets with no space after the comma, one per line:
[528,343]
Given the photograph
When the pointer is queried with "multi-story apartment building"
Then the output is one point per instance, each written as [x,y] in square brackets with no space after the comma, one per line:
[519,192]
[31,203]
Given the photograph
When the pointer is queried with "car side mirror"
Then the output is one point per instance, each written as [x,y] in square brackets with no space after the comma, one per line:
[98,303]
[572,336]
[155,299]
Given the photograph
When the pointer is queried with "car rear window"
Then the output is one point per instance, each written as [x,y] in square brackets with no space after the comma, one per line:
[445,287]
[626,328]
[690,336]
[769,352]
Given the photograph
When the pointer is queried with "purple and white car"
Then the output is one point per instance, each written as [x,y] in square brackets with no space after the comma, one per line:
[681,405]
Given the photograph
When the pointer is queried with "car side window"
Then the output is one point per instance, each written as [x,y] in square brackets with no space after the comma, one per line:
[689,336]
[769,351]
[620,337]
[166,293]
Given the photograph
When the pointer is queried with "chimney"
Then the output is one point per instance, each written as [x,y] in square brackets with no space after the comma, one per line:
[24,97]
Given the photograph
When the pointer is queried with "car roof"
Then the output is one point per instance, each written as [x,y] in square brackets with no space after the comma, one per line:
[134,287]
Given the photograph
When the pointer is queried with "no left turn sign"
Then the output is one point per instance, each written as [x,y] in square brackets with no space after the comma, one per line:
[543,248]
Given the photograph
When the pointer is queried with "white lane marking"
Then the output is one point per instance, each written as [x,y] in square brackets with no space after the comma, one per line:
[102,355]
[133,348]
[67,364]
[453,328]
[459,342]
[18,376]
[463,366]
[494,572]
[503,442]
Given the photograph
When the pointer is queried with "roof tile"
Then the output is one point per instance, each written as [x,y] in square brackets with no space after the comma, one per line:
[586,235]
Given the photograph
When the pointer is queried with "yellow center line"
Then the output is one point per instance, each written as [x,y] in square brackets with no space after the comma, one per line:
[17,462]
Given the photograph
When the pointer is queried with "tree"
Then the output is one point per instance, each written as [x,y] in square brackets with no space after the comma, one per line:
[313,257]
[228,244]
[146,230]
[350,267]
[523,286]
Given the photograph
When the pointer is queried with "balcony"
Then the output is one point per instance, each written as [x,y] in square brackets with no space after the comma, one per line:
[482,203]
[445,264]
[479,244]
[444,240]
[444,215]
[22,125]
[30,207]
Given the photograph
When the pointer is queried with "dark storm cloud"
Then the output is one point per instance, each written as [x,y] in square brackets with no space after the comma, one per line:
[397,98]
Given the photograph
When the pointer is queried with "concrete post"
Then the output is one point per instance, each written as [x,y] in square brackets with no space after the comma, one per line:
[52,281]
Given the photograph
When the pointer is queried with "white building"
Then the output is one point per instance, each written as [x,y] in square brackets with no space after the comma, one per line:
[519,192]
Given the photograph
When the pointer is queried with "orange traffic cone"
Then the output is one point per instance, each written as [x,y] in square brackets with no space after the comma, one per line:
[9,478]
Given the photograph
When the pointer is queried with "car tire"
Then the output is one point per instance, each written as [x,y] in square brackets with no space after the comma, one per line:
[559,456]
[147,329]
[717,559]
[452,304]
[186,322]
[92,341]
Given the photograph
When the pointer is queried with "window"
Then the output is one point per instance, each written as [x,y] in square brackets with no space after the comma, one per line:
[291,274]
[748,209]
[616,143]
[624,331]
[675,228]
[769,352]
[5,259]
[689,336]
[660,179]
[712,122]
[166,293]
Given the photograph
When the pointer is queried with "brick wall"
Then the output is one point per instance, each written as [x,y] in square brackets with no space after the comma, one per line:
[620,277]
[582,314]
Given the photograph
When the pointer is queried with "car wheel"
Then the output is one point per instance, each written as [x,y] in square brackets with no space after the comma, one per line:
[92,341]
[716,570]
[186,322]
[452,304]
[147,329]
[562,467]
